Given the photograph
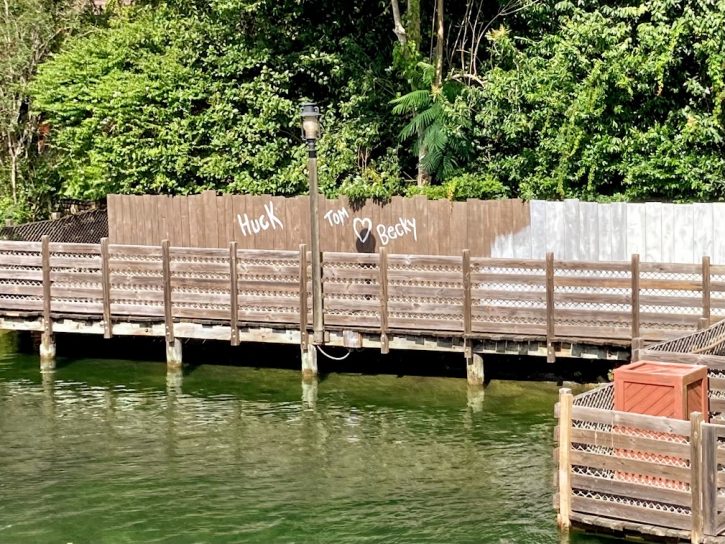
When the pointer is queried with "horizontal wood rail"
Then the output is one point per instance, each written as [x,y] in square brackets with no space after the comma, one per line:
[451,296]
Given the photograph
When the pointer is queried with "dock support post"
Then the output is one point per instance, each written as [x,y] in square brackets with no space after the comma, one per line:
[566,402]
[475,395]
[309,393]
[309,362]
[47,352]
[474,370]
[174,359]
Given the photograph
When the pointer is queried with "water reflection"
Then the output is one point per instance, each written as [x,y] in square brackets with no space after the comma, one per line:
[125,452]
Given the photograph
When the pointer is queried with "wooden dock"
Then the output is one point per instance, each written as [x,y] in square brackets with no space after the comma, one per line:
[631,474]
[375,300]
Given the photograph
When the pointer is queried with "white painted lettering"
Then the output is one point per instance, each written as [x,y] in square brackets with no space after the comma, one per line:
[244,225]
[263,222]
[382,235]
[411,222]
[273,219]
[256,229]
[399,229]
[328,216]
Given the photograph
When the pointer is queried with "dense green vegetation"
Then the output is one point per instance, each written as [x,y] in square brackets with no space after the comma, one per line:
[454,99]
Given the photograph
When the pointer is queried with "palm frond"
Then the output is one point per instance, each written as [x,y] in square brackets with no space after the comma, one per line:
[413,101]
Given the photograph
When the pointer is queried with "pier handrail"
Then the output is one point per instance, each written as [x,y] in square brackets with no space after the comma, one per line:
[453,296]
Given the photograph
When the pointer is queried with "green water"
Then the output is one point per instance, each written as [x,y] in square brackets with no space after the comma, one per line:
[112,452]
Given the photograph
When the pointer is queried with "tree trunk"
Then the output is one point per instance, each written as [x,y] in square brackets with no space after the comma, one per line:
[14,176]
[398,28]
[439,46]
[412,22]
[423,178]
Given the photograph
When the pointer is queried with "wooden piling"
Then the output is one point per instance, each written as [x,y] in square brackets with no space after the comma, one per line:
[566,401]
[474,370]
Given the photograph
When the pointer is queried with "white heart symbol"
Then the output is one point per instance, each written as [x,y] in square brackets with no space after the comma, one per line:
[363,233]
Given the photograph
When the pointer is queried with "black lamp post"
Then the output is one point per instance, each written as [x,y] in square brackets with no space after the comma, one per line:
[311,133]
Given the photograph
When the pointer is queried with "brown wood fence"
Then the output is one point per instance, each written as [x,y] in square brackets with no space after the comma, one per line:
[450,296]
[639,473]
[410,226]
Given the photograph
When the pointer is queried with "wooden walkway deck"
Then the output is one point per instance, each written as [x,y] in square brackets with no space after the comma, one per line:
[453,303]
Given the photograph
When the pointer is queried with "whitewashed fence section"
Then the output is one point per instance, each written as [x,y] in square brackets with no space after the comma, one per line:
[588,231]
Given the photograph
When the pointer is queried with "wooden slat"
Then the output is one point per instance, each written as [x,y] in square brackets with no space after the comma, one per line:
[670,268]
[90,249]
[620,439]
[605,266]
[635,294]
[631,466]
[8,259]
[630,512]
[21,275]
[27,290]
[24,247]
[504,279]
[592,282]
[637,421]
[631,489]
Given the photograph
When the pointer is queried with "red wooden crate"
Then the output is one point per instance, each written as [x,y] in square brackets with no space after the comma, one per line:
[658,389]
[661,389]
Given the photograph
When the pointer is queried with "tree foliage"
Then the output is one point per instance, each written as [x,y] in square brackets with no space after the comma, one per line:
[620,100]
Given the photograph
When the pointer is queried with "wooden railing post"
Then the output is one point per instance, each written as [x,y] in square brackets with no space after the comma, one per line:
[634,272]
[106,285]
[708,478]
[550,333]
[383,279]
[467,300]
[318,304]
[303,297]
[233,294]
[696,487]
[168,314]
[566,403]
[706,292]
[47,343]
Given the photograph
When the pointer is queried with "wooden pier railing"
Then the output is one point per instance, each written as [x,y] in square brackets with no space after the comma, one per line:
[639,474]
[450,296]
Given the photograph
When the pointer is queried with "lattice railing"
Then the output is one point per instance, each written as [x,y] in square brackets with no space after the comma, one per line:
[436,295]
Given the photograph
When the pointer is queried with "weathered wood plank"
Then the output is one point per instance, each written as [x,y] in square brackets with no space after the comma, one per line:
[637,421]
[233,293]
[634,490]
[106,285]
[168,315]
[630,512]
